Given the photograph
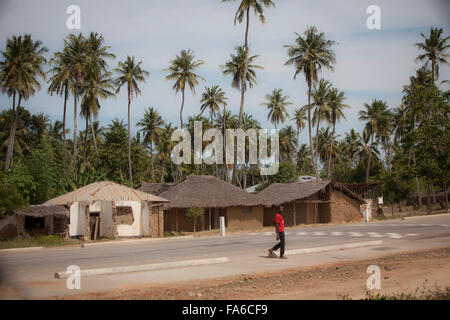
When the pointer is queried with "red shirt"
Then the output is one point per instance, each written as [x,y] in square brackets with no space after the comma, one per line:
[279,219]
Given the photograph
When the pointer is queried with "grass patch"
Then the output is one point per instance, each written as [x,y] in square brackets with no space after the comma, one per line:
[35,241]
[173,234]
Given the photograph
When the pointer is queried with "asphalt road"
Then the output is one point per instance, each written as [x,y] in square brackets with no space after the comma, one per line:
[408,234]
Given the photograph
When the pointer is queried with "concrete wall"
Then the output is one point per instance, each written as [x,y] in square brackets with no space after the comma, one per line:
[77,226]
[106,219]
[135,229]
[344,208]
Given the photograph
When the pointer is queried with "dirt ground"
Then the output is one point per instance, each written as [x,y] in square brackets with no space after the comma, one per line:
[400,273]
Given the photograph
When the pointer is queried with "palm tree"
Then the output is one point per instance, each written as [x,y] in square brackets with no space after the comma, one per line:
[300,123]
[74,58]
[377,117]
[336,103]
[320,95]
[242,12]
[310,53]
[182,71]
[352,143]
[368,149]
[130,73]
[211,100]
[288,142]
[151,124]
[19,73]
[238,65]
[434,46]
[276,104]
[97,86]
[60,83]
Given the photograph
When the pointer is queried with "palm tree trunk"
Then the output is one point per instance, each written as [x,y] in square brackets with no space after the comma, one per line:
[316,156]
[93,135]
[331,150]
[181,109]
[153,166]
[12,132]
[368,160]
[296,147]
[310,133]
[75,120]
[85,142]
[243,89]
[419,195]
[129,139]
[66,89]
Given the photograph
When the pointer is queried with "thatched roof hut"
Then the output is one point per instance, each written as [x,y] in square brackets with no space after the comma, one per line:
[208,192]
[42,211]
[279,193]
[104,191]
[155,188]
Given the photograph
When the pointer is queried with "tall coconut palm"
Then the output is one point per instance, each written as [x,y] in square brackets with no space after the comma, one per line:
[276,104]
[336,104]
[309,55]
[211,100]
[19,73]
[299,119]
[60,83]
[243,12]
[434,46]
[238,65]
[377,117]
[130,73]
[151,124]
[182,70]
[320,99]
[97,86]
[74,57]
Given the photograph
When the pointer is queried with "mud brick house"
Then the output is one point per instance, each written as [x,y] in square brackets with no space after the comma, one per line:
[311,202]
[217,197]
[35,220]
[108,209]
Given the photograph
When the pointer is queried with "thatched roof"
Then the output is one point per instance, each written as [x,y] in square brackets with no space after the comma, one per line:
[279,193]
[104,191]
[42,211]
[155,188]
[208,192]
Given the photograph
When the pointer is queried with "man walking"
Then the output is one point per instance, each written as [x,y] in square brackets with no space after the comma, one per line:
[278,222]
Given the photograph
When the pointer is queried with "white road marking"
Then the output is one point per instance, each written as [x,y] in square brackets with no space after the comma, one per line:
[375,235]
[253,234]
[394,235]
[354,234]
[319,233]
[268,233]
[302,233]
[411,234]
[337,233]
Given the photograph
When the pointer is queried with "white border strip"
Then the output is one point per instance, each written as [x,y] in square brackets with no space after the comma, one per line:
[145,267]
[335,247]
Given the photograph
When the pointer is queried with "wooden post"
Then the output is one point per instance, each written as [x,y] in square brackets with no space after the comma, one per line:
[97,218]
[176,219]
[209,219]
[295,223]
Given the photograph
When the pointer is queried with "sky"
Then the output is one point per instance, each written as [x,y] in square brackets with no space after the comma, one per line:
[370,64]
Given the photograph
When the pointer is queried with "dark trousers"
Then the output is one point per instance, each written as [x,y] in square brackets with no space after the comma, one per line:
[281,244]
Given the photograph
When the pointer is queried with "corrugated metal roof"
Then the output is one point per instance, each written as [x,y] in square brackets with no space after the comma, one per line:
[106,191]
